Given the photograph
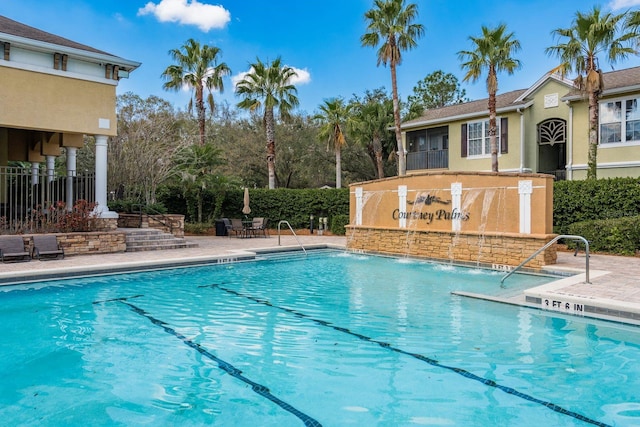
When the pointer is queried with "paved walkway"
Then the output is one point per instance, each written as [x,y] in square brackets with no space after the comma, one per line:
[613,292]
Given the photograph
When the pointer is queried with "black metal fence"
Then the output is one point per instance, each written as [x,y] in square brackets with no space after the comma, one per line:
[31,202]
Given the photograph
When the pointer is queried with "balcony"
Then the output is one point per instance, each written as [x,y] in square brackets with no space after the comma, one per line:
[433,159]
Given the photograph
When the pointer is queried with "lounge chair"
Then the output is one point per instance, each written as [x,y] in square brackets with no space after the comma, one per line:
[46,246]
[12,249]
[260,226]
[237,226]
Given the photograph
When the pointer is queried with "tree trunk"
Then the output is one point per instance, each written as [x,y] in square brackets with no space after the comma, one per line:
[402,168]
[493,131]
[377,148]
[592,161]
[271,147]
[338,168]
[201,114]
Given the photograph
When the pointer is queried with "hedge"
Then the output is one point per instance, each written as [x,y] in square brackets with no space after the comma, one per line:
[577,201]
[292,205]
[620,235]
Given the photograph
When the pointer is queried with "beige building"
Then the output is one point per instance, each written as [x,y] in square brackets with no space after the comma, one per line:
[542,129]
[54,92]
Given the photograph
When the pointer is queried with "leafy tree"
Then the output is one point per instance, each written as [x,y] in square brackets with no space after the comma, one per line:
[493,54]
[390,25]
[149,135]
[198,69]
[333,116]
[590,35]
[437,90]
[267,87]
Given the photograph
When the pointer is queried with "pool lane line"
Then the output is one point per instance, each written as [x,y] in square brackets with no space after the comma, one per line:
[426,359]
[117,299]
[225,366]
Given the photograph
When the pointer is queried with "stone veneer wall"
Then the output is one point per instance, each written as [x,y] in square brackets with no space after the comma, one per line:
[87,243]
[491,250]
[175,224]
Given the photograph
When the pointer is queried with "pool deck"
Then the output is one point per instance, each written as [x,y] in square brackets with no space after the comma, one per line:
[612,294]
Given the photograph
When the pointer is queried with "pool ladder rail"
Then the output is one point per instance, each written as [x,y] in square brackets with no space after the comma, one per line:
[294,234]
[554,240]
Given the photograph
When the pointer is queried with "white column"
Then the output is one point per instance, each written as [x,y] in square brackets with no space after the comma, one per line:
[402,205]
[358,205]
[456,204]
[71,173]
[525,188]
[101,178]
[35,172]
[51,168]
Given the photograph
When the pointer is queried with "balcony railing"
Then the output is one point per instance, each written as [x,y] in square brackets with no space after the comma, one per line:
[27,200]
[433,159]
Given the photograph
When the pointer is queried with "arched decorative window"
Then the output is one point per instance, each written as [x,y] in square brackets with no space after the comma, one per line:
[552,131]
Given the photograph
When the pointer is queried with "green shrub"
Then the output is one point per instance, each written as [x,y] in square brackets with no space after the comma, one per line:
[198,228]
[337,224]
[130,206]
[576,201]
[618,235]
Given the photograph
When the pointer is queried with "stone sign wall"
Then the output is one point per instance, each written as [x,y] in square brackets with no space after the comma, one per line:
[496,219]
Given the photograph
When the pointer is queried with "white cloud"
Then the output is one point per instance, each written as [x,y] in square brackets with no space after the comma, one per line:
[189,12]
[622,4]
[303,77]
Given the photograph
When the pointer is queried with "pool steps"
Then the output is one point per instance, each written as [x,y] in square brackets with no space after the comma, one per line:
[151,239]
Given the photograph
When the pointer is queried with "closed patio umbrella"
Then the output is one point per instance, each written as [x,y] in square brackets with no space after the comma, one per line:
[246,209]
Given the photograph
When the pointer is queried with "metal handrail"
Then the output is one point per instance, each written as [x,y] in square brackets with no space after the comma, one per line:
[164,221]
[554,240]
[294,234]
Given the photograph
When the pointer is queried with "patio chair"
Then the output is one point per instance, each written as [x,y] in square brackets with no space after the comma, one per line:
[227,226]
[12,249]
[260,226]
[46,247]
[237,227]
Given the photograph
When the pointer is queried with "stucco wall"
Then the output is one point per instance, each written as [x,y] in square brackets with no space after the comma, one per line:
[47,102]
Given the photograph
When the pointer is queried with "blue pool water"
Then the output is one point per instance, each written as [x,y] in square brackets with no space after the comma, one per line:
[330,339]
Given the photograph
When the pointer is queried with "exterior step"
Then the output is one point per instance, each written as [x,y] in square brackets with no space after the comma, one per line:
[149,239]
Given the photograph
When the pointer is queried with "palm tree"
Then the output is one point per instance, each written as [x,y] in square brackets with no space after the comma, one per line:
[590,35]
[390,25]
[370,127]
[197,69]
[196,167]
[266,87]
[493,53]
[333,118]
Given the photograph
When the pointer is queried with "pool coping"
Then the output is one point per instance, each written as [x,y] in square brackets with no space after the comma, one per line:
[236,255]
[554,297]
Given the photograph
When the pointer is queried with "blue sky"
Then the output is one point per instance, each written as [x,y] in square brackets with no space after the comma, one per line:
[320,38]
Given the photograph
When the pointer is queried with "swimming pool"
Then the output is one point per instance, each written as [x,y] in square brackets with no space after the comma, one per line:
[330,339]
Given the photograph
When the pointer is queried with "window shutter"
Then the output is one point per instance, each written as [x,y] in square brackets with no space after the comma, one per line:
[504,132]
[463,140]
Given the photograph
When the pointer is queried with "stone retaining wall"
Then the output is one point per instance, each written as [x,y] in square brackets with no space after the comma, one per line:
[172,223]
[493,250]
[87,243]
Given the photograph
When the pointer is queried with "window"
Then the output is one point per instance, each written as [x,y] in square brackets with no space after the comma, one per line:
[620,121]
[479,143]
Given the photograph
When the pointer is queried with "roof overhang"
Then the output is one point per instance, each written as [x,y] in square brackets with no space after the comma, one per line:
[85,55]
[448,119]
[606,92]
